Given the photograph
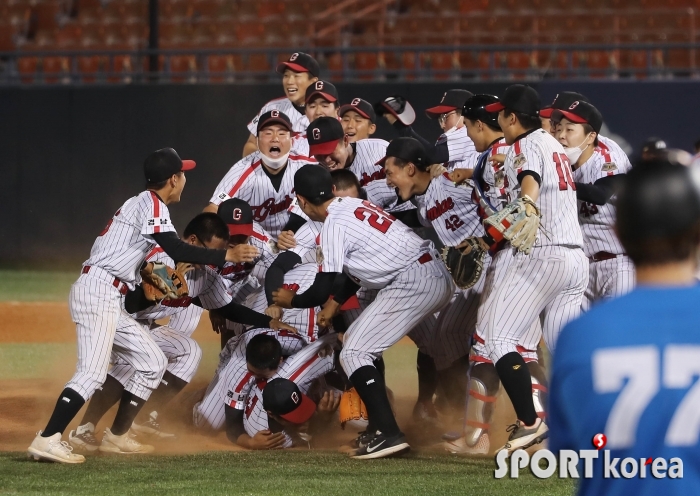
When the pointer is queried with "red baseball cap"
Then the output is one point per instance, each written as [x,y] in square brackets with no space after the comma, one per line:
[283,398]
[238,216]
[323,135]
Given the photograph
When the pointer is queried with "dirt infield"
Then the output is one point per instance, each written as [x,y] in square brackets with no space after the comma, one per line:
[25,404]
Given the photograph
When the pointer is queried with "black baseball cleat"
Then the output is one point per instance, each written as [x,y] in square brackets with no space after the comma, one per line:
[382,446]
[362,439]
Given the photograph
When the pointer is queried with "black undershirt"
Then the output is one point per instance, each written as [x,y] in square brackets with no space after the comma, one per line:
[599,192]
[177,249]
[274,277]
[275,179]
[437,153]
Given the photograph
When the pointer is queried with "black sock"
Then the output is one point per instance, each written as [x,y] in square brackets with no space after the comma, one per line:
[379,365]
[129,406]
[427,377]
[370,386]
[167,389]
[104,398]
[68,405]
[515,377]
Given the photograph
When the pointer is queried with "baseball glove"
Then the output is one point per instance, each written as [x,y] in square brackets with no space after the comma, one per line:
[352,409]
[517,223]
[161,282]
[466,261]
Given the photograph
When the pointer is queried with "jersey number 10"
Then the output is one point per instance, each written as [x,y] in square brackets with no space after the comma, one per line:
[563,166]
[375,216]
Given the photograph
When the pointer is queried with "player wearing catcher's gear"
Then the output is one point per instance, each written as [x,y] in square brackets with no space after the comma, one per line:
[321,101]
[159,347]
[96,298]
[611,272]
[375,251]
[628,368]
[264,179]
[562,102]
[551,275]
[358,119]
[298,73]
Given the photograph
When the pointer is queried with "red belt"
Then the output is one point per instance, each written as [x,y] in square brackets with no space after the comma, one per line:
[121,287]
[603,255]
[425,258]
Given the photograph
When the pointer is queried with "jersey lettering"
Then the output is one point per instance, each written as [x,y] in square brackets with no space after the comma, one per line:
[453,223]
[268,207]
[440,208]
[563,171]
[376,217]
[588,209]
[368,178]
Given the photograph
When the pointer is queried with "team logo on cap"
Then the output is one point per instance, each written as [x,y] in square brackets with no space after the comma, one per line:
[574,105]
[319,85]
[237,214]
[275,113]
[295,398]
[294,57]
[316,133]
[356,102]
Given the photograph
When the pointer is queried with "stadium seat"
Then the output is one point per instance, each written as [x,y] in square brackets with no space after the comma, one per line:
[250,33]
[182,68]
[47,14]
[442,65]
[365,65]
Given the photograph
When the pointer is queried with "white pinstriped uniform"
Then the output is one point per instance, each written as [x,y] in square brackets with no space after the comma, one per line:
[617,154]
[379,252]
[367,153]
[300,145]
[248,181]
[450,210]
[303,368]
[462,153]
[553,277]
[616,276]
[284,105]
[210,412]
[96,298]
[494,185]
[182,353]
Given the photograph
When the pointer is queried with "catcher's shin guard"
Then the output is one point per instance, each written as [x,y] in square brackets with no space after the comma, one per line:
[539,388]
[481,400]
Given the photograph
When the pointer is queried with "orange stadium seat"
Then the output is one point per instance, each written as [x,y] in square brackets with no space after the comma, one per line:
[365,63]
[180,66]
[442,65]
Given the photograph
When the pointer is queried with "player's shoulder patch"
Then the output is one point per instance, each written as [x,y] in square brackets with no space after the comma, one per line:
[609,167]
[519,160]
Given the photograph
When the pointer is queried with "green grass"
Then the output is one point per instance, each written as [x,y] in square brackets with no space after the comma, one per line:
[26,285]
[268,473]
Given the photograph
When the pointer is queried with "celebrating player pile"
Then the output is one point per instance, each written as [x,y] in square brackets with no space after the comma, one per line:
[314,256]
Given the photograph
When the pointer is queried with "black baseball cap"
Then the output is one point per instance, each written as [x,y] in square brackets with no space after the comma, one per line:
[300,62]
[399,107]
[451,100]
[362,107]
[324,89]
[518,98]
[562,101]
[314,182]
[283,398]
[323,135]
[408,150]
[162,164]
[274,117]
[583,113]
[474,109]
[238,216]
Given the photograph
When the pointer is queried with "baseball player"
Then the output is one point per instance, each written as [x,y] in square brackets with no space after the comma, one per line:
[264,179]
[551,278]
[209,412]
[375,251]
[298,73]
[453,148]
[611,271]
[144,369]
[625,373]
[247,417]
[96,297]
[321,101]
[562,102]
[358,119]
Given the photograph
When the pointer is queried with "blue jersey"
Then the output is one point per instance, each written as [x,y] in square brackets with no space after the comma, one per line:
[630,369]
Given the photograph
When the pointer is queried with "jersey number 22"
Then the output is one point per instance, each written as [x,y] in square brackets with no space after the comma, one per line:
[375,216]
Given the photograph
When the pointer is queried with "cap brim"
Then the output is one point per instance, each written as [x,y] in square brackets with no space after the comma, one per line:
[573,117]
[546,112]
[347,108]
[275,120]
[494,107]
[302,413]
[235,229]
[328,97]
[291,65]
[434,112]
[323,148]
[188,165]
[407,117]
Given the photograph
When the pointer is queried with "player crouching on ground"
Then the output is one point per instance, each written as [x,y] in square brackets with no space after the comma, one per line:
[628,368]
[374,250]
[358,119]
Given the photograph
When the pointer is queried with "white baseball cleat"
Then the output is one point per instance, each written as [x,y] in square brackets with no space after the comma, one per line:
[459,446]
[124,444]
[523,436]
[83,439]
[53,449]
[152,428]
